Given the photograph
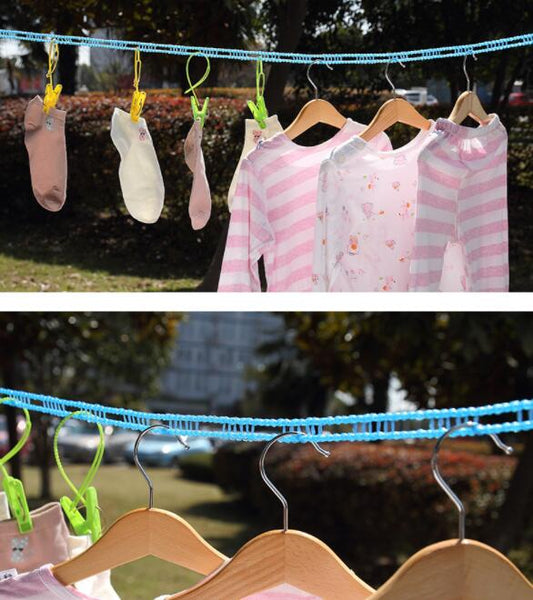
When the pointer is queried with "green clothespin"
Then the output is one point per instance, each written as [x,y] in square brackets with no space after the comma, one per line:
[13,487]
[259,109]
[90,524]
[198,113]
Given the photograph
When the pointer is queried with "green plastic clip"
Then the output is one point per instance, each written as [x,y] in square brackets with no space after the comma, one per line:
[199,114]
[13,487]
[86,495]
[258,108]
[18,504]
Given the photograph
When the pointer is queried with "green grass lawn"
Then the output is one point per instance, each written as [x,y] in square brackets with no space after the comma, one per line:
[219,518]
[110,253]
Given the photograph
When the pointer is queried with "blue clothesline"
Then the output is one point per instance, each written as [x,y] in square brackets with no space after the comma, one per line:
[276,57]
[508,417]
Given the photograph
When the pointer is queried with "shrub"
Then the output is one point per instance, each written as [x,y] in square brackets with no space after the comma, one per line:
[374,504]
[197,467]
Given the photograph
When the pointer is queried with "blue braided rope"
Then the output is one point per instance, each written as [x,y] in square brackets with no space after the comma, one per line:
[513,417]
[277,57]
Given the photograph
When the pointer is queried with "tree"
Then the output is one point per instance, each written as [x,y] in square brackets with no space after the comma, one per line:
[441,359]
[294,26]
[95,357]
[191,22]
[404,25]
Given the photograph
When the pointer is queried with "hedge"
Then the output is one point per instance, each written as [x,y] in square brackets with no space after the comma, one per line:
[374,504]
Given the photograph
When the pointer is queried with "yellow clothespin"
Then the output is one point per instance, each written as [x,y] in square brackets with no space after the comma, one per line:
[199,114]
[137,102]
[51,94]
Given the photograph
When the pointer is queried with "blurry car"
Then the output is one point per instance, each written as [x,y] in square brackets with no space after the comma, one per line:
[78,440]
[4,437]
[418,97]
[158,450]
[520,99]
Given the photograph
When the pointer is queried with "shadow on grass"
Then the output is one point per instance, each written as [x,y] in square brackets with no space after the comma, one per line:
[110,245]
[231,511]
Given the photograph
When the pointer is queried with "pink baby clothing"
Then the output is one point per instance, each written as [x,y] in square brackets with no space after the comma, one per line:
[47,542]
[365,217]
[281,592]
[200,199]
[99,585]
[463,200]
[47,152]
[253,134]
[273,213]
[39,584]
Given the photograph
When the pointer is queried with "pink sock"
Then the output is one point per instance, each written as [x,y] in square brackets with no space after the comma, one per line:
[47,151]
[200,200]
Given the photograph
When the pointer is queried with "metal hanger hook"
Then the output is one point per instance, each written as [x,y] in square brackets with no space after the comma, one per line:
[442,483]
[269,483]
[138,462]
[468,82]
[387,77]
[311,82]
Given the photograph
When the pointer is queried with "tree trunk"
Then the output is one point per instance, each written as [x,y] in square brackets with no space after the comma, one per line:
[498,82]
[68,58]
[291,16]
[515,74]
[42,443]
[15,465]
[510,524]
[380,396]
[8,378]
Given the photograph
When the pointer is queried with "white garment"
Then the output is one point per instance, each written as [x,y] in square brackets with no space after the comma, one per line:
[99,585]
[140,176]
[253,134]
[365,222]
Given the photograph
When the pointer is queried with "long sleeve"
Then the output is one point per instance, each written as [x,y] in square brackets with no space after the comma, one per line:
[249,234]
[320,271]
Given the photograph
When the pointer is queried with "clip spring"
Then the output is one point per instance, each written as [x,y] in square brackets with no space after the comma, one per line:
[51,94]
[137,102]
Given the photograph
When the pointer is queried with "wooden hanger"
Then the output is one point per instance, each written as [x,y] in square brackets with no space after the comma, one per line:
[139,533]
[468,104]
[397,110]
[314,112]
[281,557]
[458,569]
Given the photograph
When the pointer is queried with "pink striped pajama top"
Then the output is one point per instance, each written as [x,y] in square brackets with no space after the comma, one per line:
[462,200]
[273,213]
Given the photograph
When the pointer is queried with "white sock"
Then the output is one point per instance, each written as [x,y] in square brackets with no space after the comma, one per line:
[140,176]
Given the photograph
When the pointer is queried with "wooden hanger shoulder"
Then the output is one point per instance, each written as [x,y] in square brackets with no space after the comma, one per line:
[467,570]
[396,110]
[314,112]
[139,533]
[468,104]
[276,558]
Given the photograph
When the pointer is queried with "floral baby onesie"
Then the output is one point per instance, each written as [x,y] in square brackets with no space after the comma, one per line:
[365,218]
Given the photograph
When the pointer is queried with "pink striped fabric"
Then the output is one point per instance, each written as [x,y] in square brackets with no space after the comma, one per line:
[462,199]
[273,213]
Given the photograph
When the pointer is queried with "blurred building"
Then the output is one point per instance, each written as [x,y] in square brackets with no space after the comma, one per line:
[212,354]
